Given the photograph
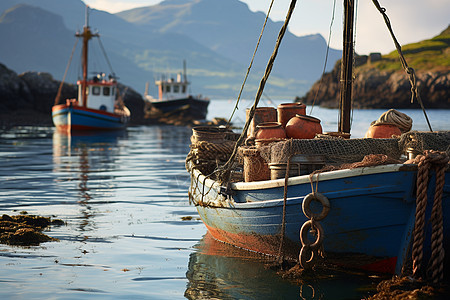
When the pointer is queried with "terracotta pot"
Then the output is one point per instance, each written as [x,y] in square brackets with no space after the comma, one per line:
[303,127]
[383,131]
[270,130]
[262,115]
[286,111]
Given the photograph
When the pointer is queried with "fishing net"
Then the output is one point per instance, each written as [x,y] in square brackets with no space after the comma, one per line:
[420,141]
[332,151]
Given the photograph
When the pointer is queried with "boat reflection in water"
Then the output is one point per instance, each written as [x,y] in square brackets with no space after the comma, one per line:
[221,271]
[85,161]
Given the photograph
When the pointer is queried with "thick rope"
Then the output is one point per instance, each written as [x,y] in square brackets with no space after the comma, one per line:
[410,71]
[392,116]
[436,266]
[283,221]
[250,66]
[225,170]
[437,160]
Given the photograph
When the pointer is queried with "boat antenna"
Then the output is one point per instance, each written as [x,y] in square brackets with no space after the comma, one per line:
[86,17]
[410,71]
[225,169]
[184,71]
[347,67]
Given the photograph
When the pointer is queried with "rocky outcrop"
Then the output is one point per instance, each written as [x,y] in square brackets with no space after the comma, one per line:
[27,99]
[373,88]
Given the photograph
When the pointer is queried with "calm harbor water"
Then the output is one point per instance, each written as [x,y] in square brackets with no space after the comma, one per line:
[123,197]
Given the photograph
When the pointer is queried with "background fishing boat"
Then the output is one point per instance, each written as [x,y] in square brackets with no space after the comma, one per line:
[367,210]
[99,105]
[174,98]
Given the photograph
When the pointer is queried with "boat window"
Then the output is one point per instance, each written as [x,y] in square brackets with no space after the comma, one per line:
[183,89]
[176,89]
[96,90]
[106,91]
[167,88]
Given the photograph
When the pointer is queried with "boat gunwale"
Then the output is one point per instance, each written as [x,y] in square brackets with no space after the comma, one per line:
[62,108]
[330,175]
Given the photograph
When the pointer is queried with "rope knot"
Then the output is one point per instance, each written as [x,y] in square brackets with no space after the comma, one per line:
[409,70]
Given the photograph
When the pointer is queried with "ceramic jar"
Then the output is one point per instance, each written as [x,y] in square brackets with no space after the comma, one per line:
[383,131]
[303,127]
[286,111]
[270,130]
[262,114]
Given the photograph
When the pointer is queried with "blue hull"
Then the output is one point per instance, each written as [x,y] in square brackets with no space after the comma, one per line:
[79,118]
[372,214]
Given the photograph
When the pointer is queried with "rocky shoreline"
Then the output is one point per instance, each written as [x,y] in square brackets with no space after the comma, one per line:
[373,88]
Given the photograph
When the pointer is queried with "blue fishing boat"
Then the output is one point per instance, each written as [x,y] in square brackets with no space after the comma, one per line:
[378,204]
[99,105]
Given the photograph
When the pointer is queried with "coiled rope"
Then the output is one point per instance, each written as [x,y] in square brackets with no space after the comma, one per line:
[392,116]
[439,162]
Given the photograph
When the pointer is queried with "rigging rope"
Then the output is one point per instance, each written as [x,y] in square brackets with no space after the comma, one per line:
[250,66]
[408,70]
[225,170]
[326,57]
[106,56]
[58,95]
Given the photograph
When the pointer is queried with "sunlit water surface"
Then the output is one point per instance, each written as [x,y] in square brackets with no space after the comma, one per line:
[123,196]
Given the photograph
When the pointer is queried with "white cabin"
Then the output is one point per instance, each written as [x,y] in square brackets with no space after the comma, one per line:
[169,89]
[101,93]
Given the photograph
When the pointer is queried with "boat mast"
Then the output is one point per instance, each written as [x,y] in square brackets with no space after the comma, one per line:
[184,71]
[86,35]
[347,68]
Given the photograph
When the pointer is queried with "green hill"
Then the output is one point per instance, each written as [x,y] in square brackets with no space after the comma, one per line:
[424,55]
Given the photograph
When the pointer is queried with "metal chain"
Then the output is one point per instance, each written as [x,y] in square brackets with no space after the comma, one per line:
[310,250]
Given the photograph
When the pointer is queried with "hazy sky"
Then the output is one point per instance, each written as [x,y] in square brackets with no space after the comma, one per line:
[412,20]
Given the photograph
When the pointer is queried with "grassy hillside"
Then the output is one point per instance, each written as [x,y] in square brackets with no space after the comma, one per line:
[424,55]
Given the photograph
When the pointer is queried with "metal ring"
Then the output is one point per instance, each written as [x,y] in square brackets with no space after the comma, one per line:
[306,257]
[319,198]
[304,234]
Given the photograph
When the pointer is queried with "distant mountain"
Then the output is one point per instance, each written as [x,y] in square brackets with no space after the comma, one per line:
[39,37]
[232,30]
[38,40]
[34,39]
